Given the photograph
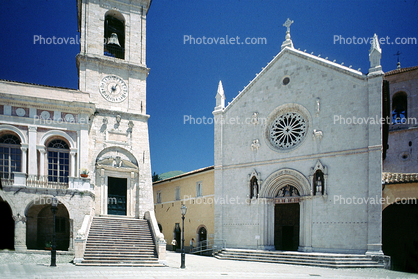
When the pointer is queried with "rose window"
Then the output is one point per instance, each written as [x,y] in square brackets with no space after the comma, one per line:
[287,130]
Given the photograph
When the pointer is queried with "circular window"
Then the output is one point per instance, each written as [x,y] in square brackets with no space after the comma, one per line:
[286,80]
[287,130]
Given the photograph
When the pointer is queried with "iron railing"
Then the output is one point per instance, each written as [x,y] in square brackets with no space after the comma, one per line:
[209,246]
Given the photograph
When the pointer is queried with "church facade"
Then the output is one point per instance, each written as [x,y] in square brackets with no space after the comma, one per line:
[88,148]
[303,175]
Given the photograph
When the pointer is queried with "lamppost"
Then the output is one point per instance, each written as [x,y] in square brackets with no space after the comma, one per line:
[54,208]
[183,210]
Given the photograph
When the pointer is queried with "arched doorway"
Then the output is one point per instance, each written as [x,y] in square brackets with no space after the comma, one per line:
[203,236]
[287,219]
[8,226]
[400,236]
[39,227]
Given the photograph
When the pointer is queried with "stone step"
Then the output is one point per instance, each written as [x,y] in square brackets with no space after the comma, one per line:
[360,257]
[120,241]
[133,264]
[91,254]
[95,235]
[121,249]
[120,257]
[300,258]
[291,253]
[320,264]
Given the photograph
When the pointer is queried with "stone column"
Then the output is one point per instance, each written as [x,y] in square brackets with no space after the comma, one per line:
[42,153]
[24,149]
[20,233]
[73,151]
[33,158]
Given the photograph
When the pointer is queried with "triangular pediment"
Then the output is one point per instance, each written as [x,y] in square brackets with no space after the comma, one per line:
[304,59]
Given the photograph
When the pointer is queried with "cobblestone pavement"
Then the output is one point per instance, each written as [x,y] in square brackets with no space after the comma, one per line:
[16,265]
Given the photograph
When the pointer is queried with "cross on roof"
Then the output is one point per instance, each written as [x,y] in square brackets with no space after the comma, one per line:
[397,54]
[287,24]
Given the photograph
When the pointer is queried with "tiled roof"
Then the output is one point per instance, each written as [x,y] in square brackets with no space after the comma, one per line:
[392,178]
[401,70]
[184,174]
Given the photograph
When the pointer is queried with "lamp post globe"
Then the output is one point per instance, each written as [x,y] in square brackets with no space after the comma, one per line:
[183,210]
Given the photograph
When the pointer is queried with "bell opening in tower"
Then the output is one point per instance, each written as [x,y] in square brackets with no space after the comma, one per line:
[114,35]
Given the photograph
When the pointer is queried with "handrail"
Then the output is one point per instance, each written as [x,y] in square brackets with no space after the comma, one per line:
[213,245]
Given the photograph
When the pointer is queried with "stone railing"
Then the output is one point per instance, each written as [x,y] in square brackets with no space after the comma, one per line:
[41,181]
[389,177]
[160,242]
[81,237]
[21,179]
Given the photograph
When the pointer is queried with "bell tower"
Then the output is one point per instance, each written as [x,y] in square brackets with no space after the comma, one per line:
[112,70]
[112,59]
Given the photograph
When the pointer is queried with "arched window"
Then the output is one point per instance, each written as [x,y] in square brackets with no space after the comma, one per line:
[399,108]
[10,155]
[58,161]
[114,35]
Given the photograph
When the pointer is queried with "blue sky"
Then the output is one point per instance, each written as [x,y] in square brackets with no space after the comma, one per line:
[184,77]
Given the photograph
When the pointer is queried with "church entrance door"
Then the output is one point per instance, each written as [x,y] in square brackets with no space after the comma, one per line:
[116,196]
[286,226]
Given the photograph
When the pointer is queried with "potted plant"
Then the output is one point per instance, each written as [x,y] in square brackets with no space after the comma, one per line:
[48,245]
[84,173]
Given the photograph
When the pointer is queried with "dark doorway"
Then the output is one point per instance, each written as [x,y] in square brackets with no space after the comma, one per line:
[177,236]
[400,236]
[8,226]
[116,196]
[202,238]
[286,226]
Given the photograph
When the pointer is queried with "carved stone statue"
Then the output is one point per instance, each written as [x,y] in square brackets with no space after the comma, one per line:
[255,189]
[318,187]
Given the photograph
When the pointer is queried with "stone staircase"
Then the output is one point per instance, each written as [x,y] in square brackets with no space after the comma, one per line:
[303,258]
[120,241]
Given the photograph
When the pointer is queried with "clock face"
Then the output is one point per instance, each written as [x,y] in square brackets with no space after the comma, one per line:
[113,89]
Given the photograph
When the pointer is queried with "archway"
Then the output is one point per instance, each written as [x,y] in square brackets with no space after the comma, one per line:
[203,236]
[8,226]
[286,222]
[400,236]
[39,227]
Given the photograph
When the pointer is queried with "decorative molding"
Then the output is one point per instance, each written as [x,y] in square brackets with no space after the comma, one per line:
[255,145]
[254,118]
[19,218]
[393,178]
[317,134]
[282,178]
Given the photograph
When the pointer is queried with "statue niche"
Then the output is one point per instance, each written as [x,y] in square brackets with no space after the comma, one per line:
[318,182]
[254,188]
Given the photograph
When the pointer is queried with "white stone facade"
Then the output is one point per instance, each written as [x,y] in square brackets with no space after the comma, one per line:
[102,126]
[287,121]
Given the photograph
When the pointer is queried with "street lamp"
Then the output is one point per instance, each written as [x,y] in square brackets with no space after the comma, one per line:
[54,208]
[183,210]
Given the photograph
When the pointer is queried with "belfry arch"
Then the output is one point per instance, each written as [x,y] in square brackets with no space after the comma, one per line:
[299,192]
